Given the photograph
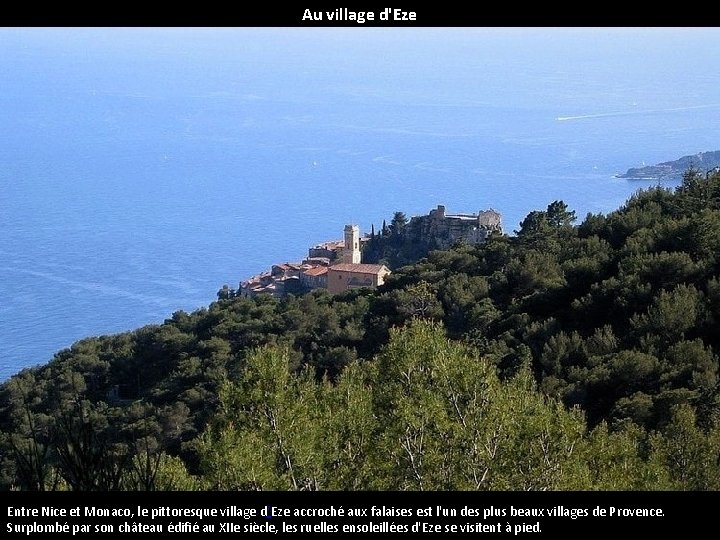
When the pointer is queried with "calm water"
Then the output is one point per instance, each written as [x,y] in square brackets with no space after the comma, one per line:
[142,169]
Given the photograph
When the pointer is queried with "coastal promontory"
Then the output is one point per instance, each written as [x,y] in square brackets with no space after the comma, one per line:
[674,170]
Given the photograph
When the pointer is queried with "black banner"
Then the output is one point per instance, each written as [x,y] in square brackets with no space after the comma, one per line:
[495,514]
[271,15]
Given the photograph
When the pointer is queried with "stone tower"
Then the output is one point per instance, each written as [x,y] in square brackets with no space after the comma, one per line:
[351,253]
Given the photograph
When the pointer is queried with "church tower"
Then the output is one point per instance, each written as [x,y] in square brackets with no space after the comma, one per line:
[351,253]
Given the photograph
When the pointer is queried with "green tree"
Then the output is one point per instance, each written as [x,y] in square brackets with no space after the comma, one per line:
[536,222]
[28,445]
[672,315]
[535,271]
[350,427]
[689,453]
[418,301]
[617,460]
[558,215]
[269,433]
[451,424]
[398,223]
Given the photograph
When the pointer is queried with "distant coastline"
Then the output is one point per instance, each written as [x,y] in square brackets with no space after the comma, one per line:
[674,170]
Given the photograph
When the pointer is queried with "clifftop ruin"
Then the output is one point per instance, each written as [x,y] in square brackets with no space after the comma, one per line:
[447,229]
[407,242]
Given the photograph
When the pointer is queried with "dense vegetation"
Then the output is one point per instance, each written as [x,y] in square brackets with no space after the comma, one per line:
[566,357]
[397,244]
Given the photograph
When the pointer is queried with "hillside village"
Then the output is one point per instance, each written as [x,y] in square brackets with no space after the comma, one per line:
[337,265]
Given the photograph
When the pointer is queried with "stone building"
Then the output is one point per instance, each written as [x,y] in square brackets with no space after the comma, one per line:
[327,250]
[351,249]
[315,278]
[344,276]
[447,229]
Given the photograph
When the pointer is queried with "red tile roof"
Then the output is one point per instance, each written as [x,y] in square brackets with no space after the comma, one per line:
[317,271]
[360,268]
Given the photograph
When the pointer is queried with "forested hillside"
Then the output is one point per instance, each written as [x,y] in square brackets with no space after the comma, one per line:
[565,357]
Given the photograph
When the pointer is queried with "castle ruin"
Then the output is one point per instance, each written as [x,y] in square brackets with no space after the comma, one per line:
[447,229]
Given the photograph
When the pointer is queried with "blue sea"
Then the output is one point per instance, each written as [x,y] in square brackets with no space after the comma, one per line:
[142,169]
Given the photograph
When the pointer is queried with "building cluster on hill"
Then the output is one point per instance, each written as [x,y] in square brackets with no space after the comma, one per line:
[337,265]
